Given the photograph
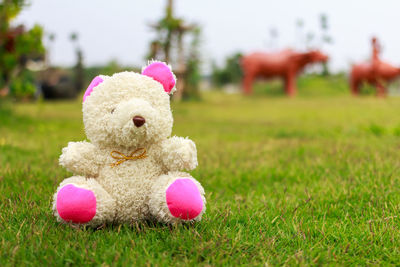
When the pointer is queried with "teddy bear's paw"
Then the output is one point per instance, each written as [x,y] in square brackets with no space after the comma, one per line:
[75,204]
[184,200]
[177,197]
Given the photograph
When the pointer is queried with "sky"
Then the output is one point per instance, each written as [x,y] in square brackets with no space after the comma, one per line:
[119,29]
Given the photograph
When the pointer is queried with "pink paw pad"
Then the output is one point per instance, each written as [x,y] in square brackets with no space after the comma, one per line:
[76,204]
[184,200]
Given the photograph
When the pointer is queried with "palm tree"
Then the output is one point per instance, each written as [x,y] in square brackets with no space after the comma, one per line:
[79,71]
[170,32]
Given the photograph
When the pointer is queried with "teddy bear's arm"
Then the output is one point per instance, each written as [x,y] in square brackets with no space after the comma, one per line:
[81,158]
[178,154]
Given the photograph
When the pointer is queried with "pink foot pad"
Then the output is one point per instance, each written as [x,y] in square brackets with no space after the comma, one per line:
[76,204]
[184,199]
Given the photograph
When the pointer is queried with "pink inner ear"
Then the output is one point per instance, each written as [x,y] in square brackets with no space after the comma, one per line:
[160,72]
[96,81]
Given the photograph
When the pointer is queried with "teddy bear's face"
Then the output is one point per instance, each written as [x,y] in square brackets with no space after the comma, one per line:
[127,110]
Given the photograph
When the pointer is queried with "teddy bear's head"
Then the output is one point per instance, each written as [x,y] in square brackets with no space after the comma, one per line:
[128,109]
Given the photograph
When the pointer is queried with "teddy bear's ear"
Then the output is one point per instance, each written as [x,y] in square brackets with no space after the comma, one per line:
[96,81]
[162,73]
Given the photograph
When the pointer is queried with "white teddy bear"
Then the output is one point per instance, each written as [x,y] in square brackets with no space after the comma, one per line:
[131,169]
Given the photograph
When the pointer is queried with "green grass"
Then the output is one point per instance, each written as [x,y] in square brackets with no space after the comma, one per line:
[314,85]
[310,85]
[311,180]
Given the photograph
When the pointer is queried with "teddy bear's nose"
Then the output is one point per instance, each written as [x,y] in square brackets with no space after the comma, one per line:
[138,121]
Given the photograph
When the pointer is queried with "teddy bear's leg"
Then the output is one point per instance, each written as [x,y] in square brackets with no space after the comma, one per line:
[83,201]
[176,197]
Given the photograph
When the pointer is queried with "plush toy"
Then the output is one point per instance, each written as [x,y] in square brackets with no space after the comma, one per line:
[131,168]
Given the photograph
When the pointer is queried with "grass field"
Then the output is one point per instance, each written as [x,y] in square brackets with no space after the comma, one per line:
[311,180]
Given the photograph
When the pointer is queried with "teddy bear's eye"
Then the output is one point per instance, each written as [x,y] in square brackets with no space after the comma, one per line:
[112,111]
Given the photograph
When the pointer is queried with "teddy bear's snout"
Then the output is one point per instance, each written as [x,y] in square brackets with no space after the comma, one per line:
[138,121]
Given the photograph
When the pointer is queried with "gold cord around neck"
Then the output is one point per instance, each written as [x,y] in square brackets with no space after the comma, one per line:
[121,157]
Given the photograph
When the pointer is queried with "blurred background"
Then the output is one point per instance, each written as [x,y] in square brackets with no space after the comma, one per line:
[51,49]
[293,106]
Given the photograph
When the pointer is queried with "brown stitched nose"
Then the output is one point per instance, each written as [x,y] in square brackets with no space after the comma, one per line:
[138,121]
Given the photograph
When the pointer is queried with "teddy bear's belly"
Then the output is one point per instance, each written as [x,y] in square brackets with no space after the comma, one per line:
[129,184]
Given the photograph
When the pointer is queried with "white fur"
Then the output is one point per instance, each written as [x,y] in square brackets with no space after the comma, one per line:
[135,189]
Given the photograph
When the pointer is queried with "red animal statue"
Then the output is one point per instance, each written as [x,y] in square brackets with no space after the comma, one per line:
[286,64]
[376,72]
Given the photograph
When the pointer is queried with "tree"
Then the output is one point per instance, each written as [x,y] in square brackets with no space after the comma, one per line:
[273,38]
[230,73]
[169,46]
[79,69]
[301,39]
[17,45]
[193,75]
[325,39]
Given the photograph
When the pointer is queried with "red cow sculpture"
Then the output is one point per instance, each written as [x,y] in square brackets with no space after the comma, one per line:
[285,64]
[376,72]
